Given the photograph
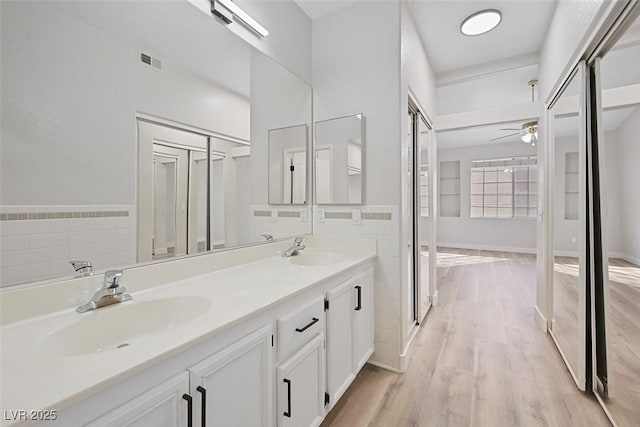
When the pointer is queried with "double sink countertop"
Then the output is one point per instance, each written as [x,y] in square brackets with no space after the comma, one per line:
[54,359]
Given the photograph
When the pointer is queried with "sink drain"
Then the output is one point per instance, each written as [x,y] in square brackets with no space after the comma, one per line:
[123,345]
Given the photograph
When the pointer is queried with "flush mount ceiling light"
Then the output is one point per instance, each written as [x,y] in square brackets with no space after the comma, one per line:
[481,22]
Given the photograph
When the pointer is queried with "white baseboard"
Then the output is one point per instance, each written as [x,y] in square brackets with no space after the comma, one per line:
[541,321]
[626,257]
[434,299]
[404,356]
[383,366]
[482,247]
[571,254]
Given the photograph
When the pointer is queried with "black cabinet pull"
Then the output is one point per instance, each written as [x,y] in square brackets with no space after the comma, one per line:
[287,413]
[203,392]
[359,290]
[313,322]
[189,409]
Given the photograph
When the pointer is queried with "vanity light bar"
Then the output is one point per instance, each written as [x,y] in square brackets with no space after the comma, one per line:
[227,9]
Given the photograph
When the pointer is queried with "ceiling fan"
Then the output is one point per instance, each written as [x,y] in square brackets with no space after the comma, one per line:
[528,133]
[529,130]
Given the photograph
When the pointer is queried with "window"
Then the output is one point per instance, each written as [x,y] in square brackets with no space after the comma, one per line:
[504,188]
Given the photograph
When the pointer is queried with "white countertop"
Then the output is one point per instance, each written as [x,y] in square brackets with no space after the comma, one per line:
[33,378]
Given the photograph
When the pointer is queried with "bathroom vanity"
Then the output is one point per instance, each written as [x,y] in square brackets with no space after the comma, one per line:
[237,338]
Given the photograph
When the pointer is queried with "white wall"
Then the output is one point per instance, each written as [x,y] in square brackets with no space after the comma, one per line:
[513,234]
[626,144]
[356,54]
[68,124]
[493,91]
[565,231]
[289,39]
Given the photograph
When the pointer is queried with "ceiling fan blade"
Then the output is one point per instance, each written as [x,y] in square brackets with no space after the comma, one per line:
[512,129]
[506,136]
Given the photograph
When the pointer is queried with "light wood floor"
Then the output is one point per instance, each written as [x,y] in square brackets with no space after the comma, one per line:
[624,369]
[566,306]
[478,360]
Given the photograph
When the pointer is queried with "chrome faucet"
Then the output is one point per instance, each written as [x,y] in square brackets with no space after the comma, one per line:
[111,292]
[83,268]
[294,249]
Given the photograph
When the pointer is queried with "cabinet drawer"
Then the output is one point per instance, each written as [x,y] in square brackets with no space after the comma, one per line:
[299,327]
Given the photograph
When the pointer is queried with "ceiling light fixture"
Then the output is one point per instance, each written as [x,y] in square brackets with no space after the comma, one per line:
[481,22]
[227,10]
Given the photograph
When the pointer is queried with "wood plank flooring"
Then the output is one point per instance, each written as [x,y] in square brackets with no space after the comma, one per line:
[624,330]
[477,360]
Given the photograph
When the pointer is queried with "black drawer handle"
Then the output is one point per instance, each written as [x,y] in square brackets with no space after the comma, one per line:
[313,322]
[359,291]
[203,392]
[189,400]
[287,413]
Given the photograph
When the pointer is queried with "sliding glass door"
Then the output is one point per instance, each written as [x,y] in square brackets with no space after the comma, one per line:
[569,225]
[615,211]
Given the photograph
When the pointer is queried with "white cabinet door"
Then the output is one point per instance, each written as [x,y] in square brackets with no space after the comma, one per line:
[340,340]
[162,406]
[301,386]
[234,386]
[362,321]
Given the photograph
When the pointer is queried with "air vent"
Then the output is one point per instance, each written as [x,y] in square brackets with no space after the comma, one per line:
[150,61]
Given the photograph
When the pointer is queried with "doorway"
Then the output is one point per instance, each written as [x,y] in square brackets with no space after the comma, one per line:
[419,262]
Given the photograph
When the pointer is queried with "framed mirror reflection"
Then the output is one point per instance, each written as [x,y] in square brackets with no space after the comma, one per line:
[339,151]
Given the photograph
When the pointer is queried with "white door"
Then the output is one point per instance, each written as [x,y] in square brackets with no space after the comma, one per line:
[301,386]
[362,321]
[340,340]
[162,406]
[233,387]
[295,172]
[323,175]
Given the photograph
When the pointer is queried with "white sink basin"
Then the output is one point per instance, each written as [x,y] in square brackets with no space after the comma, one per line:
[313,258]
[117,326]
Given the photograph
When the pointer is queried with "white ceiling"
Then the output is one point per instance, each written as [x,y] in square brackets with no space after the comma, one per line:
[482,135]
[568,126]
[318,8]
[175,31]
[522,30]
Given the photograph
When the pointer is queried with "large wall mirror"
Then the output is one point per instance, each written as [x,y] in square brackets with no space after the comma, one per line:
[140,131]
[339,147]
[568,191]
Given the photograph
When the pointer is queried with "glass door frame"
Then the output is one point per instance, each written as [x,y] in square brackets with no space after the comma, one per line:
[601,381]
[581,372]
[418,117]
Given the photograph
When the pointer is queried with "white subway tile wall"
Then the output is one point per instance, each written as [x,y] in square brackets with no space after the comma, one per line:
[381,223]
[37,243]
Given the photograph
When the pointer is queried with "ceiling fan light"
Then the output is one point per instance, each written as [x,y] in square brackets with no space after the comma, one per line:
[481,22]
[527,137]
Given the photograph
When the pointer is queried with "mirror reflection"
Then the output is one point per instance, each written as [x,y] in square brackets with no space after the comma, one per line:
[288,165]
[338,160]
[568,224]
[134,140]
[618,355]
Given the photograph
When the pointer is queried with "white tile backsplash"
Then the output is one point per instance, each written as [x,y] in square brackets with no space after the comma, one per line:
[36,249]
[387,275]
